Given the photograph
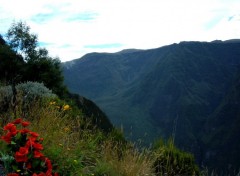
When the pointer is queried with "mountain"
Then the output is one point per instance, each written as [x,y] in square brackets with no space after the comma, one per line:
[182,90]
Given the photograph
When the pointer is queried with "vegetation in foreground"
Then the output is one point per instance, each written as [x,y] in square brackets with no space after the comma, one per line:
[76,147]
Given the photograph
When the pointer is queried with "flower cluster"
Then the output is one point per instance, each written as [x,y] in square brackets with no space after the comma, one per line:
[60,107]
[26,147]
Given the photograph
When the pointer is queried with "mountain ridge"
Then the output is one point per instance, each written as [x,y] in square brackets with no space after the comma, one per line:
[159,92]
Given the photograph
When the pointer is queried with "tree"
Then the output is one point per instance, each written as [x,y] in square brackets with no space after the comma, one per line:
[21,40]
[11,64]
[39,66]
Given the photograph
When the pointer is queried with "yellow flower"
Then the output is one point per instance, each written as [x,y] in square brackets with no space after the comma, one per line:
[66,129]
[52,103]
[66,107]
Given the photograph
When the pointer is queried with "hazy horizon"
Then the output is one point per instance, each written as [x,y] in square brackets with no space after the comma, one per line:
[72,29]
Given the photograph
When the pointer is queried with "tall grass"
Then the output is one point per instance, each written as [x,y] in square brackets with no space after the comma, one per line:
[76,147]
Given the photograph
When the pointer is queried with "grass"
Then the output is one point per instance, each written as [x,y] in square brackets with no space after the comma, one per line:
[76,147]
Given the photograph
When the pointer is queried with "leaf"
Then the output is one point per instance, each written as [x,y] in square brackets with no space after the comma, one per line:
[13,143]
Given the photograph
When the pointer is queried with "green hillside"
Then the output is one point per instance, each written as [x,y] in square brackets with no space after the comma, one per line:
[173,90]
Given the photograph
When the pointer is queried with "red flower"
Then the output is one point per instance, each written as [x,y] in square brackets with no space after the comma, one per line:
[9,126]
[30,142]
[24,131]
[26,153]
[37,154]
[21,155]
[25,124]
[7,138]
[49,172]
[17,121]
[48,163]
[38,146]
[12,174]
[23,150]
[34,134]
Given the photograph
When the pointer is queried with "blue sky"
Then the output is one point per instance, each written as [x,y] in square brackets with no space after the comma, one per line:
[70,29]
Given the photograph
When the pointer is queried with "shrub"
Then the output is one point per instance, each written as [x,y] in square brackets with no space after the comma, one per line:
[27,95]
[34,90]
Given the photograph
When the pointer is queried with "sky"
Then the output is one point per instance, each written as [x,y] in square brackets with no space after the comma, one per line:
[69,29]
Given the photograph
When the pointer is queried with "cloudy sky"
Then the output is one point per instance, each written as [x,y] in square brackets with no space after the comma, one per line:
[71,28]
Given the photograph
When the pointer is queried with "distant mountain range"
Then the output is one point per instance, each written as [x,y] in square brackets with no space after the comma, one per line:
[190,91]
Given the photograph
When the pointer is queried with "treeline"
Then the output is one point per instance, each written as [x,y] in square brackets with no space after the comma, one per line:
[23,60]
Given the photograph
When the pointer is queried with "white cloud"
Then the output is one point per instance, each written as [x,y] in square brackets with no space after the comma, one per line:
[71,25]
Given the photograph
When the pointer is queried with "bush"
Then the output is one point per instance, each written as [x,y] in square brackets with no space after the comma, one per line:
[34,90]
[26,95]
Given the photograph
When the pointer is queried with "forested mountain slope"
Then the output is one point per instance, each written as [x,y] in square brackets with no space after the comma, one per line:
[182,90]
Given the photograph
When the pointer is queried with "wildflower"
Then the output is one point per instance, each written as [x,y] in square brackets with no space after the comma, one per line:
[66,107]
[24,131]
[20,157]
[26,153]
[33,134]
[37,146]
[66,129]
[25,124]
[37,154]
[17,121]
[52,103]
[10,127]
[7,138]
[23,150]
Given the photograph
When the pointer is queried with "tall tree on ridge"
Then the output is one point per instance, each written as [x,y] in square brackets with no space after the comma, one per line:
[39,66]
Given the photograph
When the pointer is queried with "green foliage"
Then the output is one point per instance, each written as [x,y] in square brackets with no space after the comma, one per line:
[6,160]
[90,109]
[24,61]
[77,147]
[146,91]
[21,40]
[172,161]
[34,90]
[11,65]
[27,94]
